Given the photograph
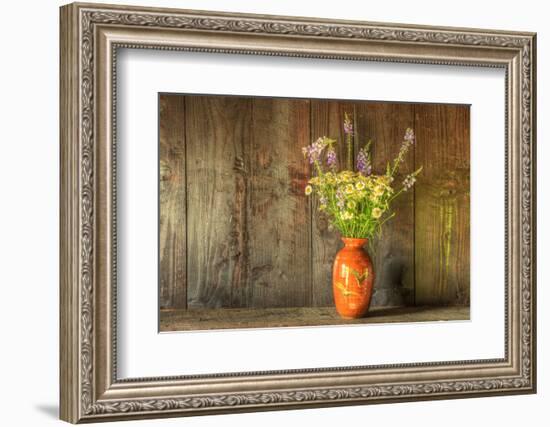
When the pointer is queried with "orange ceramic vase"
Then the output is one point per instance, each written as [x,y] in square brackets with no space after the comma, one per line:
[352,279]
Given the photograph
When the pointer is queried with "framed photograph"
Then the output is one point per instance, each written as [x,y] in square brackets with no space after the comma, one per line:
[266,212]
[242,246]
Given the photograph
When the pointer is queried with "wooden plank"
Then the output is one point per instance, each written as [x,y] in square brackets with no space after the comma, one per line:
[393,251]
[251,232]
[278,217]
[442,209]
[327,119]
[232,318]
[217,132]
[172,227]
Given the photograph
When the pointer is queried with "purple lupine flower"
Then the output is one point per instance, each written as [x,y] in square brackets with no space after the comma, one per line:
[348,125]
[331,158]
[314,150]
[363,164]
[408,140]
[409,136]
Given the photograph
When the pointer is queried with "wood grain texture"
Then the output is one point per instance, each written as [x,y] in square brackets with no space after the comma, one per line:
[172,210]
[230,318]
[393,251]
[217,134]
[442,208]
[279,214]
[326,120]
[255,240]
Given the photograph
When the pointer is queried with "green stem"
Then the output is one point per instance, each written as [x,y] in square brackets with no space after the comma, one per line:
[386,219]
[350,154]
[396,164]
[395,195]
[318,168]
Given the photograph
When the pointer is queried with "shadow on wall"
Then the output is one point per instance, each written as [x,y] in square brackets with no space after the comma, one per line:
[51,410]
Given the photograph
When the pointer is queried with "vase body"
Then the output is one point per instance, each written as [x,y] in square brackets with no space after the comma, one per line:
[352,279]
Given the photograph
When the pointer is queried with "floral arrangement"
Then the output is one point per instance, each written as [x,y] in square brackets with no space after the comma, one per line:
[358,202]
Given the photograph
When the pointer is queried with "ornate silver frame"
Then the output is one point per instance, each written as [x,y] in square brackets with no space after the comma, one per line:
[90,36]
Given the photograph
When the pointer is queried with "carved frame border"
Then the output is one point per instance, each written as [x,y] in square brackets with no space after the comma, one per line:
[90,36]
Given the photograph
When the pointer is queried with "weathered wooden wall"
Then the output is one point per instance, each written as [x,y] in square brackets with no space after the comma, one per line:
[172,218]
[236,229]
[442,205]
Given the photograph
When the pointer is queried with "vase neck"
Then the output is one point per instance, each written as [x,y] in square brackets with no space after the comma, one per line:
[351,242]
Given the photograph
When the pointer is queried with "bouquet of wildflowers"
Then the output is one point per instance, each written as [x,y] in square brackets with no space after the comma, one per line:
[358,202]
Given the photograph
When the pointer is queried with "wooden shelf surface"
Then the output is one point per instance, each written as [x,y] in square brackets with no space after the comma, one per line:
[239,318]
